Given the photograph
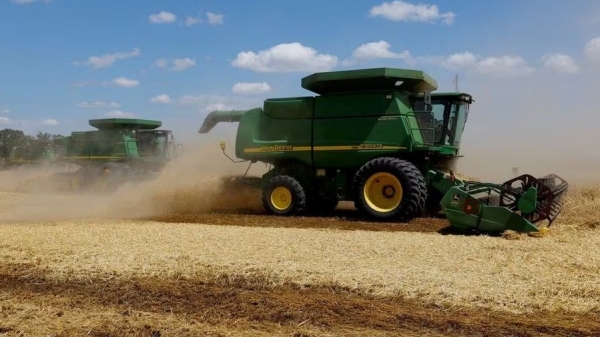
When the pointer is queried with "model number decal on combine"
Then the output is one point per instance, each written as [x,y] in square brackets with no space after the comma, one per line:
[370,146]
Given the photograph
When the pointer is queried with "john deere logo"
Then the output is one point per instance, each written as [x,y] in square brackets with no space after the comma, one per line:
[456,197]
[270,148]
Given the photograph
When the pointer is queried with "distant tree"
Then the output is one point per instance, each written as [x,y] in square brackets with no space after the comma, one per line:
[47,136]
[10,138]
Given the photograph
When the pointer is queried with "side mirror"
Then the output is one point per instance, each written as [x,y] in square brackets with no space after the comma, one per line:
[222,144]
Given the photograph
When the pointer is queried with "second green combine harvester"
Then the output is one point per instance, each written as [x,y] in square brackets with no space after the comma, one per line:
[380,138]
[120,150]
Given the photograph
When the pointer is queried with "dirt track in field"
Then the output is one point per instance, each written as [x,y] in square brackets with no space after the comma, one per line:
[344,218]
[232,305]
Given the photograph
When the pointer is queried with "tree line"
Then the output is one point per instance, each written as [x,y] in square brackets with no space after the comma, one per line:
[10,138]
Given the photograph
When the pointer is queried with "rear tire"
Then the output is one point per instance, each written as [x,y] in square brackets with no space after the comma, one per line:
[390,188]
[284,195]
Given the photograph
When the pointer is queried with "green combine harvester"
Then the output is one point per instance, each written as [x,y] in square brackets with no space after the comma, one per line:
[380,138]
[120,150]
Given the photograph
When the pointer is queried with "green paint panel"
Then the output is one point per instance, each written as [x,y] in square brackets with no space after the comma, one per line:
[264,138]
[289,108]
[350,142]
[105,144]
[363,104]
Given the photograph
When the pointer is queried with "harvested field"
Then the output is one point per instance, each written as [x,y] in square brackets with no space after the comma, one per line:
[218,271]
[177,257]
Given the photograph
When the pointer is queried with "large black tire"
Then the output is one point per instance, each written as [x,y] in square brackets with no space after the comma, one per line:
[283,195]
[376,195]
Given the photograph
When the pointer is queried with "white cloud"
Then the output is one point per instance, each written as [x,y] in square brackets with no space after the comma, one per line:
[108,60]
[161,63]
[285,57]
[125,82]
[119,114]
[162,17]
[211,19]
[215,19]
[98,104]
[251,88]
[49,122]
[182,64]
[376,50]
[592,50]
[163,98]
[560,63]
[5,120]
[191,21]
[459,60]
[25,2]
[404,11]
[5,111]
[179,64]
[505,65]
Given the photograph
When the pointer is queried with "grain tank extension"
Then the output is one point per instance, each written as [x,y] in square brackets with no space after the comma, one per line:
[379,137]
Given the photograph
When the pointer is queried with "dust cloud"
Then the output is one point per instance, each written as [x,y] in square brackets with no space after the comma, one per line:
[192,182]
[538,123]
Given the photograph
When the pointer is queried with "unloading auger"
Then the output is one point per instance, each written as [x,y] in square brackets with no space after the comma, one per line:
[521,204]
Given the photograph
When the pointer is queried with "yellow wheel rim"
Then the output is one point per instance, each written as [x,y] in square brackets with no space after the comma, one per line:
[281,198]
[383,192]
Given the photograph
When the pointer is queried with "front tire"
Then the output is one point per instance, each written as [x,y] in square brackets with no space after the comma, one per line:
[284,195]
[390,188]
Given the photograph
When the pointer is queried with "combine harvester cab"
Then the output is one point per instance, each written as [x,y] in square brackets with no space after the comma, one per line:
[378,137]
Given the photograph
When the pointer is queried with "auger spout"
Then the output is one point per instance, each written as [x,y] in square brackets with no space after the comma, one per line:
[218,116]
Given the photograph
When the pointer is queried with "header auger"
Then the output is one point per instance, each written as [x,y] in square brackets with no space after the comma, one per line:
[383,139]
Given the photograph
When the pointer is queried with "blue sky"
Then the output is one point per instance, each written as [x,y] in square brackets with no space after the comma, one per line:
[63,62]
